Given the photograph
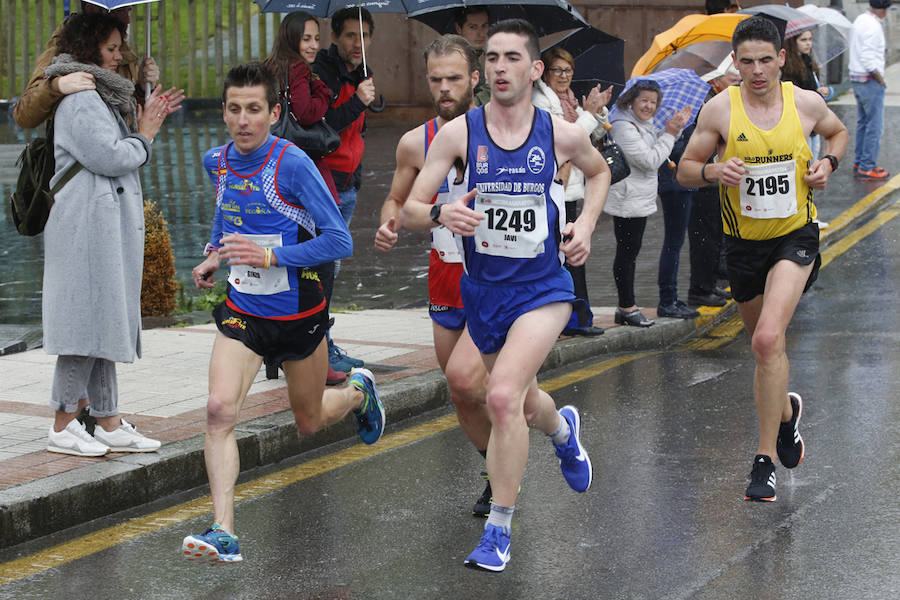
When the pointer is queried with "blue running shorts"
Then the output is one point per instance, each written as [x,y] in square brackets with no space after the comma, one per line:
[448,317]
[491,308]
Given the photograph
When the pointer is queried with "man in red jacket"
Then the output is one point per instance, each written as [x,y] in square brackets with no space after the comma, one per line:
[352,91]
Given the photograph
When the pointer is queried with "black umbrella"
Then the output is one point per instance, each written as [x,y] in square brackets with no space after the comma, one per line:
[547,16]
[599,58]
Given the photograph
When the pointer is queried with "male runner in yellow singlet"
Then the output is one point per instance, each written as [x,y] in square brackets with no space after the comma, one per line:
[766,174]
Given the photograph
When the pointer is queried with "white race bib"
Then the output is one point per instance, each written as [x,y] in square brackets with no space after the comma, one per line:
[256,280]
[444,244]
[514,226]
[769,191]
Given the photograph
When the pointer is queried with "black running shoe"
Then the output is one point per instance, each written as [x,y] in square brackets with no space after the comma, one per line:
[790,445]
[762,480]
[482,506]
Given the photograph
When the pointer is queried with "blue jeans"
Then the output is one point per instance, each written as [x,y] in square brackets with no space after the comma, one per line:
[869,122]
[676,207]
[348,203]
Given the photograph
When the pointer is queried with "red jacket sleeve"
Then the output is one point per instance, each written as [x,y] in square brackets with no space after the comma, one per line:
[309,99]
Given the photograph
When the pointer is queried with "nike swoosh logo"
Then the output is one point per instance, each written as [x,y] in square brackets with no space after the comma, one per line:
[503,556]
[313,330]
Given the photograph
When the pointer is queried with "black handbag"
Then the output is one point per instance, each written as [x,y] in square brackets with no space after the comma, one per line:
[615,160]
[317,139]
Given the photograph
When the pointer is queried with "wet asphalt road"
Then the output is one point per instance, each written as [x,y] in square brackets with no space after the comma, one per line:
[671,436]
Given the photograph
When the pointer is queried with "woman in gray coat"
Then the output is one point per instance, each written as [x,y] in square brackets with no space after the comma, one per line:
[94,238]
[633,199]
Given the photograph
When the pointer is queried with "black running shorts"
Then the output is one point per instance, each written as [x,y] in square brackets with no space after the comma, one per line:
[749,261]
[275,340]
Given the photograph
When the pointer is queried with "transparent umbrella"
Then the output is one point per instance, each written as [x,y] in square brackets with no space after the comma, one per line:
[831,36]
[701,58]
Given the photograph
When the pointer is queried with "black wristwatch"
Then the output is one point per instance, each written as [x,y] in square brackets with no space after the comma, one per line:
[436,213]
[833,160]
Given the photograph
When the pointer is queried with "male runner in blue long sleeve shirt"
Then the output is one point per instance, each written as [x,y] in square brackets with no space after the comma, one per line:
[275,221]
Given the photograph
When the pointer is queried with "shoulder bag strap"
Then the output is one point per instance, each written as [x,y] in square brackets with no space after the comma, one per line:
[71,171]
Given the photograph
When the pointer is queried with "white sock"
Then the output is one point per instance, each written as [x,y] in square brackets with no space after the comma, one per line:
[562,433]
[501,516]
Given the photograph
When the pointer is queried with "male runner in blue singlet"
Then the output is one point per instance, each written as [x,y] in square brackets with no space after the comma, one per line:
[452,72]
[516,293]
[275,220]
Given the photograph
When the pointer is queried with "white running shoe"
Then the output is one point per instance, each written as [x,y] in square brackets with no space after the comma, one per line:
[125,438]
[74,439]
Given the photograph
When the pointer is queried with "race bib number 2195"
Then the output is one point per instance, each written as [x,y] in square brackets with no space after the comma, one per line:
[769,191]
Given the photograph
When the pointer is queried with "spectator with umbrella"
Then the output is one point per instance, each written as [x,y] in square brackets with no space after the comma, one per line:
[471,22]
[801,70]
[553,93]
[342,68]
[42,93]
[633,199]
[94,237]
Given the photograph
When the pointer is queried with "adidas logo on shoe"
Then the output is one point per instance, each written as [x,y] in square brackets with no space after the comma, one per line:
[742,138]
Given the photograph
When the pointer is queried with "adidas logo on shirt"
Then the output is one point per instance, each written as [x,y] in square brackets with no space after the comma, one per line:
[742,137]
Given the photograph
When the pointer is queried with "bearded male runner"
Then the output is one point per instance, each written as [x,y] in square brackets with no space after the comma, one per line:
[451,70]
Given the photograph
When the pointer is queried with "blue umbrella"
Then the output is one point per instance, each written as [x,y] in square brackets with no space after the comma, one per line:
[547,16]
[680,88]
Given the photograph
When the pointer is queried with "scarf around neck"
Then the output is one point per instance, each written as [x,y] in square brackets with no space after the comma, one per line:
[115,90]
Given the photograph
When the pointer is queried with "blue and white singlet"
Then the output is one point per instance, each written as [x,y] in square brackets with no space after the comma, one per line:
[519,239]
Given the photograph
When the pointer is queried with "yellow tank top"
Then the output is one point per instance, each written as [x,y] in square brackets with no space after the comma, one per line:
[772,199]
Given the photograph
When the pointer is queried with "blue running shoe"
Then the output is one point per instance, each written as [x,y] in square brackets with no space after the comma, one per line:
[369,418]
[339,360]
[492,552]
[573,458]
[215,546]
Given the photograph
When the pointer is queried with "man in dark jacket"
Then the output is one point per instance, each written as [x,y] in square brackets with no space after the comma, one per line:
[352,91]
[472,22]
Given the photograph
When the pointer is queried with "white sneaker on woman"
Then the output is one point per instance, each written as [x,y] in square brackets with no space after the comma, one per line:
[74,439]
[125,438]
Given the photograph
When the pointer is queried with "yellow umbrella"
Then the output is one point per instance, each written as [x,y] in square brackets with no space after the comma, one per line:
[689,30]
